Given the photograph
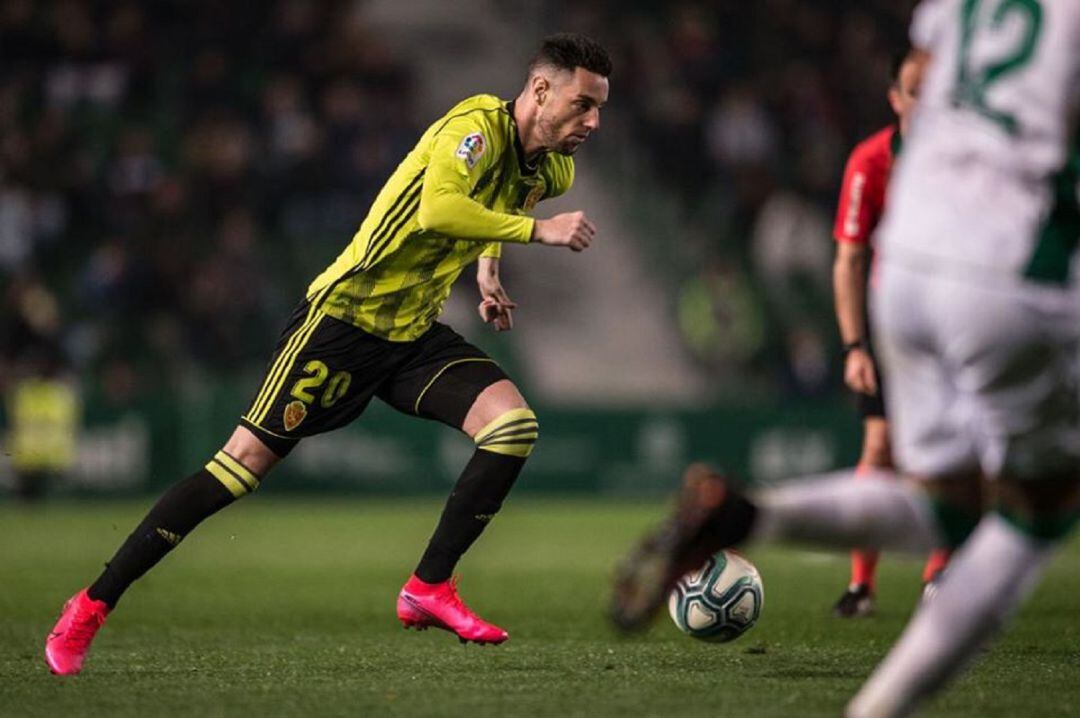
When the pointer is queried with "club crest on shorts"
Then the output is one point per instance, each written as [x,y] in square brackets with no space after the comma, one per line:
[295,412]
[472,149]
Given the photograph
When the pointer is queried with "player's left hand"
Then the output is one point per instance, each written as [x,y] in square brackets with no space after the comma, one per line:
[498,314]
[496,307]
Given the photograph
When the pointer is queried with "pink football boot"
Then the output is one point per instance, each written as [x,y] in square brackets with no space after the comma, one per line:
[421,605]
[67,644]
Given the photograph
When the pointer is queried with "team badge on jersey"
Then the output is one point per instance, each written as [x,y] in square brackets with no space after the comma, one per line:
[535,195]
[472,149]
[295,412]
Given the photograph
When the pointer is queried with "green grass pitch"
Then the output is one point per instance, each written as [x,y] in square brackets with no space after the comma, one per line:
[285,606]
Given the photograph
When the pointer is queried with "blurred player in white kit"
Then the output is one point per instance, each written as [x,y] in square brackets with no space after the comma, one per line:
[977,321]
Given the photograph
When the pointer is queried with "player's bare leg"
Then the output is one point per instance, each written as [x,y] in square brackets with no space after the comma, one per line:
[504,430]
[1002,556]
[232,473]
[880,510]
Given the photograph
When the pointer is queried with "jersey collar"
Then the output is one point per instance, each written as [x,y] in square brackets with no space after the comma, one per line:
[524,167]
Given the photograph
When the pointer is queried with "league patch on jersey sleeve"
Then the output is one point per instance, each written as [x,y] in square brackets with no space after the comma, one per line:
[472,149]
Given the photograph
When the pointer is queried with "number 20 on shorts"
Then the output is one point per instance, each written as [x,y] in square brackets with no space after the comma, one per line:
[317,374]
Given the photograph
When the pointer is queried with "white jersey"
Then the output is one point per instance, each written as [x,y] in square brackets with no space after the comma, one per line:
[992,155]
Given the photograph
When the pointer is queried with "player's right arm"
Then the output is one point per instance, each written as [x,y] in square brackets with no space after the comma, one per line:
[461,154]
[572,229]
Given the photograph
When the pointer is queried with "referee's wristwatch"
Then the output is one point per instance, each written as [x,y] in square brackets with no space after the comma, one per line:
[852,346]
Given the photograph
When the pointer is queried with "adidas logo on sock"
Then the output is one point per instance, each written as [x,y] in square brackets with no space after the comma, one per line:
[169,536]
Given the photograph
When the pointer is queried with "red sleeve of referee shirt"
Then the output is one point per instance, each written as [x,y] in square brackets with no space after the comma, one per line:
[862,196]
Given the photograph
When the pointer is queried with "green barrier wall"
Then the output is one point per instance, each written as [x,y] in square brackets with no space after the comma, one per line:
[625,452]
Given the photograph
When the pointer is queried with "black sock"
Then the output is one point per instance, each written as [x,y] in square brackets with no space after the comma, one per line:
[175,514]
[476,498]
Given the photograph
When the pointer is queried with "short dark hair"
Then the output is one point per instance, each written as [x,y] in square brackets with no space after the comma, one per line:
[897,62]
[570,50]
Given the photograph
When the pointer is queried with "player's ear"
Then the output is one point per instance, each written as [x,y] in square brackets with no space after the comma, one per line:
[895,100]
[541,88]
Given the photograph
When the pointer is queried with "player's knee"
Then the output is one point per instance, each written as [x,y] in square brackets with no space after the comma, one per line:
[252,451]
[513,432]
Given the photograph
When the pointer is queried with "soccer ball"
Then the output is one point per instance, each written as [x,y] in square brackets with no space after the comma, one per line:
[720,601]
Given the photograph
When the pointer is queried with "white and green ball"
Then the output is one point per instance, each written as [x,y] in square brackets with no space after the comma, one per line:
[720,601]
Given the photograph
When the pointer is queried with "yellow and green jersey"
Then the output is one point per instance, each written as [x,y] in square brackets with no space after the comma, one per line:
[458,195]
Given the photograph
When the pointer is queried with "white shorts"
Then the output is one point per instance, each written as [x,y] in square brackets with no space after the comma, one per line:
[978,377]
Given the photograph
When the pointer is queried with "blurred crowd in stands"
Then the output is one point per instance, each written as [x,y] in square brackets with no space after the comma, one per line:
[173,173]
[167,167]
[747,112]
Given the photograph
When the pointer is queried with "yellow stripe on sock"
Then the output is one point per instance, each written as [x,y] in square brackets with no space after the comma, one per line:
[498,423]
[239,469]
[522,450]
[522,431]
[229,481]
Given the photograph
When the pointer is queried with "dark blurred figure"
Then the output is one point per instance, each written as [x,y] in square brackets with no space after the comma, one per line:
[41,397]
[153,153]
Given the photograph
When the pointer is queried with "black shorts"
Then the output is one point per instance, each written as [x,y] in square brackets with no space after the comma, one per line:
[872,406]
[324,373]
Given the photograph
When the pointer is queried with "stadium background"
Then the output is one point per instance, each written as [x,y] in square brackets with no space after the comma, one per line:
[173,174]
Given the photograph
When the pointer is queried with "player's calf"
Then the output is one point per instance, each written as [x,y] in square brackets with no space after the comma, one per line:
[186,504]
[502,447]
[183,507]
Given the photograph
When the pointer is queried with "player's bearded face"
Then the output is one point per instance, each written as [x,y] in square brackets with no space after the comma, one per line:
[572,111]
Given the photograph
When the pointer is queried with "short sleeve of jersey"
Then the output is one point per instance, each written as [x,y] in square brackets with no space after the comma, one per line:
[559,173]
[929,22]
[861,200]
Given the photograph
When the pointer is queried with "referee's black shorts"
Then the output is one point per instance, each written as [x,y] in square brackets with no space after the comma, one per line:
[872,406]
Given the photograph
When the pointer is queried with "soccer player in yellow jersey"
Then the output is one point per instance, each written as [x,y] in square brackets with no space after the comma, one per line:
[367,327]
